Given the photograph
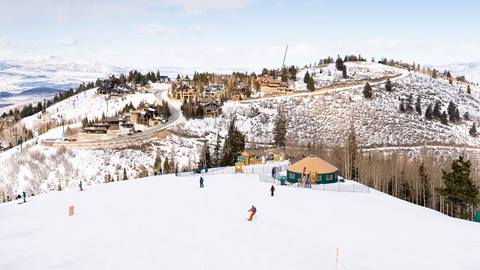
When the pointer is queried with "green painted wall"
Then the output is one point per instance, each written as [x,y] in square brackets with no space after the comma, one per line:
[294,177]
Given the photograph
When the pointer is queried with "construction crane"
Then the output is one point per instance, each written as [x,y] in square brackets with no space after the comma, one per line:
[284,57]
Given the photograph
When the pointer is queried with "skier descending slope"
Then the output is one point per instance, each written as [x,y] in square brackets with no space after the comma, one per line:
[81,185]
[252,211]
[272,190]
[201,182]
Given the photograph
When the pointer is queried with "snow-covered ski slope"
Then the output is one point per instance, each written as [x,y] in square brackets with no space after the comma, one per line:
[170,223]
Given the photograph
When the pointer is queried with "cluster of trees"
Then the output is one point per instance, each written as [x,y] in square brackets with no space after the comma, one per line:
[308,79]
[354,58]
[441,184]
[191,108]
[165,167]
[451,114]
[225,155]
[137,77]
[289,73]
[408,105]
[286,73]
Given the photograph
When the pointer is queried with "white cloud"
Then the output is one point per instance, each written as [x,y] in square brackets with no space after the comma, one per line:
[381,43]
[64,10]
[154,29]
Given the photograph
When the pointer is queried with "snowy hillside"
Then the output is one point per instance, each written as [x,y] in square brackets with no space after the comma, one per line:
[86,104]
[169,223]
[328,75]
[325,117]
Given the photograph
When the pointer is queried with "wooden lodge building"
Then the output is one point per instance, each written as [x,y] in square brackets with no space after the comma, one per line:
[271,85]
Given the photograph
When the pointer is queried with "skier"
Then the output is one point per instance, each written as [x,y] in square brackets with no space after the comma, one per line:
[81,185]
[272,190]
[201,182]
[252,211]
[24,197]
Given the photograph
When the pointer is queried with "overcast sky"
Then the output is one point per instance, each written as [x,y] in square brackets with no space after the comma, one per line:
[243,33]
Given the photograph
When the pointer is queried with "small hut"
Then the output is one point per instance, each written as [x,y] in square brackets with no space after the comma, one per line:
[315,169]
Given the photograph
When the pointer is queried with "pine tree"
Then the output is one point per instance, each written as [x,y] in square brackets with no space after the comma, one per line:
[437,114]
[280,129]
[409,103]
[473,130]
[311,84]
[199,112]
[367,91]
[402,107]
[344,73]
[166,166]
[351,170]
[157,165]
[216,152]
[234,144]
[458,188]
[418,106]
[451,111]
[388,86]
[205,158]
[429,112]
[469,91]
[434,74]
[340,64]
[284,74]
[444,118]
[306,78]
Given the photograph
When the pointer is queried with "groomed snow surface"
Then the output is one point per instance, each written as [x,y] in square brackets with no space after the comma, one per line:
[168,222]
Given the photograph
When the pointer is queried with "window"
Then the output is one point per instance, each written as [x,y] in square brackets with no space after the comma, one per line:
[329,177]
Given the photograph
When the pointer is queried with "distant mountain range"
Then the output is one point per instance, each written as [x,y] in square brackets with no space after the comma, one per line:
[17,76]
[471,71]
[32,92]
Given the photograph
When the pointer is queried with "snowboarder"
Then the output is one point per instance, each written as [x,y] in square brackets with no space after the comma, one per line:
[201,182]
[81,185]
[252,211]
[24,197]
[272,190]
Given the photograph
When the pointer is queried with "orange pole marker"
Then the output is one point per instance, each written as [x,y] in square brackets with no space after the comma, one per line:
[71,210]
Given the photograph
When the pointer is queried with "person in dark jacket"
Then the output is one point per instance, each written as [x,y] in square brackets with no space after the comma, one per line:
[81,185]
[24,197]
[201,182]
[272,190]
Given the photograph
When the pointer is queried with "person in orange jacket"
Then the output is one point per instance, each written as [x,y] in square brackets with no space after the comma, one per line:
[252,211]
